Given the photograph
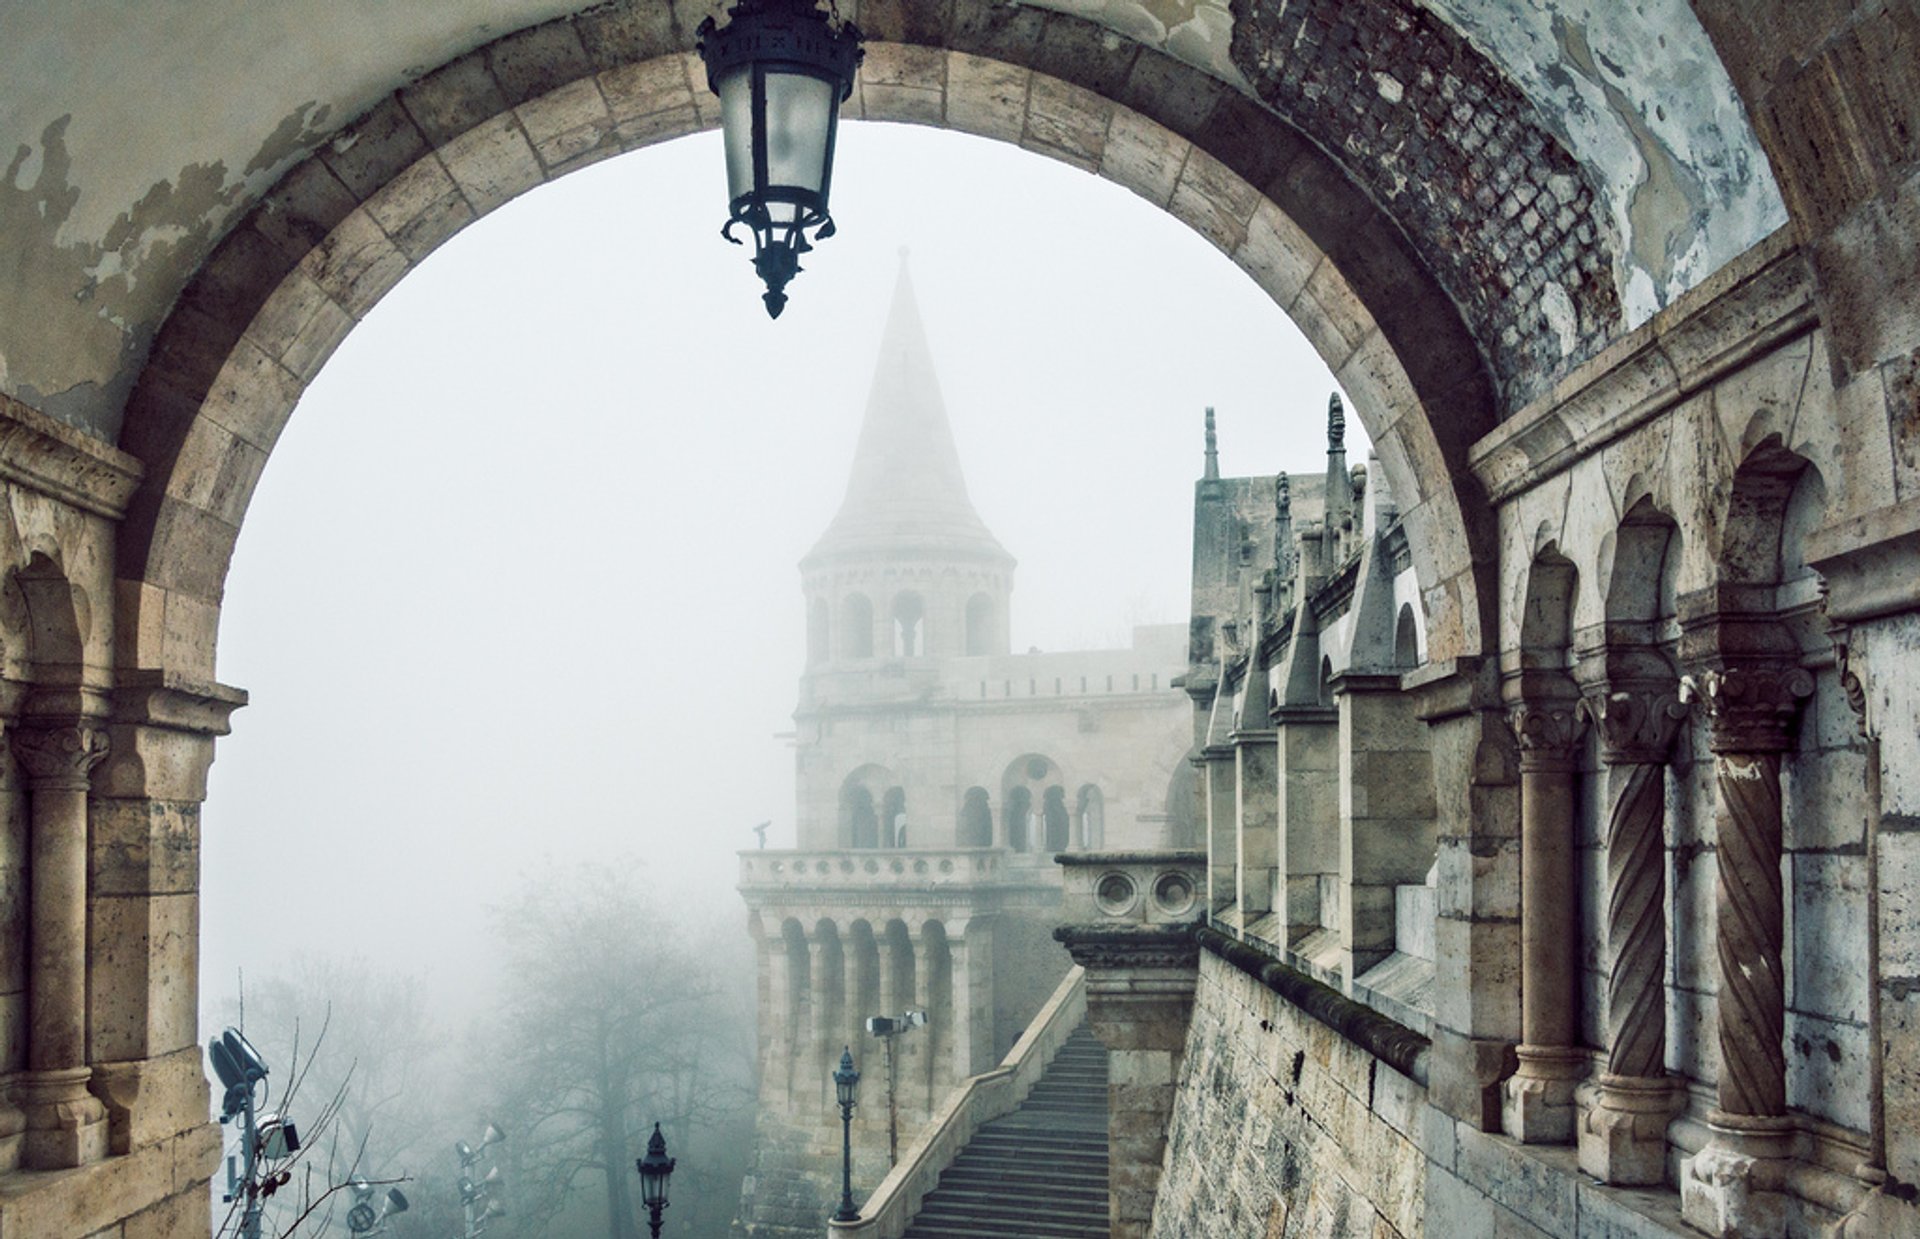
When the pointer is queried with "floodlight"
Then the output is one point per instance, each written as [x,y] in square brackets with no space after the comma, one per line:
[915,1019]
[881,1026]
[465,1152]
[494,1178]
[278,1137]
[396,1203]
[495,1209]
[493,1135]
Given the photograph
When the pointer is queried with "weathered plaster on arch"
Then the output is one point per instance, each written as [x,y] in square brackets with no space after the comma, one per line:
[1640,98]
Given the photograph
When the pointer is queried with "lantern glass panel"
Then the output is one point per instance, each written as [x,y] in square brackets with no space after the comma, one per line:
[800,111]
[736,127]
[653,1188]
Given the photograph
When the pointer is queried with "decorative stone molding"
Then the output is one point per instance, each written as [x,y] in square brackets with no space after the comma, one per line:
[1549,733]
[1636,723]
[59,757]
[63,463]
[1121,946]
[1751,707]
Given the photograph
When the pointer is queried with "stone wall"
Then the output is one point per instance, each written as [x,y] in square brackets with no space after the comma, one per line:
[1283,1127]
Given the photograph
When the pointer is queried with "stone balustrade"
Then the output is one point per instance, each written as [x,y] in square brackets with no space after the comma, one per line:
[898,868]
[1161,887]
[975,1101]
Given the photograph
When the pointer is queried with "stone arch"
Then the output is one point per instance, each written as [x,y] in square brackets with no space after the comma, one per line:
[976,819]
[1025,784]
[829,1001]
[864,977]
[1773,490]
[856,626]
[1546,612]
[898,981]
[258,319]
[893,817]
[798,998]
[1055,819]
[56,613]
[1641,583]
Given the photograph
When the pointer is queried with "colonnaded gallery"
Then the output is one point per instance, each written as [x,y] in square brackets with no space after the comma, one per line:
[1554,839]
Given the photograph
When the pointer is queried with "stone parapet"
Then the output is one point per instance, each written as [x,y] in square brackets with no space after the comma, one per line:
[856,871]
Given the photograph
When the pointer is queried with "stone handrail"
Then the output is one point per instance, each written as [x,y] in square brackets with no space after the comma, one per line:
[977,1100]
[871,867]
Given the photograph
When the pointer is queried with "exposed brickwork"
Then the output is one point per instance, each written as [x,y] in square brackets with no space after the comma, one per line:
[1455,153]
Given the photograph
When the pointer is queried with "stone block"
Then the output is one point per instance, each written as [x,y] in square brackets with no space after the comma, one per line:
[191,626]
[492,163]
[649,88]
[1827,1068]
[1067,122]
[986,97]
[1536,1191]
[1143,156]
[371,150]
[143,846]
[419,208]
[1214,201]
[196,548]
[143,979]
[177,1217]
[1829,923]
[537,60]
[356,264]
[454,98]
[910,105]
[252,394]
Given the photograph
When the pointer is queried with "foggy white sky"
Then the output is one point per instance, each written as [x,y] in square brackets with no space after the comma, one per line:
[519,584]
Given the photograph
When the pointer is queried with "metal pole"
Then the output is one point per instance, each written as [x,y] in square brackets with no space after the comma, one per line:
[893,1112]
[249,1142]
[653,1216]
[847,1212]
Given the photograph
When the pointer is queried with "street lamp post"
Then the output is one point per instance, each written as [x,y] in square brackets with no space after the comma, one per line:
[655,1169]
[845,1081]
[887,1027]
[477,1205]
[781,68]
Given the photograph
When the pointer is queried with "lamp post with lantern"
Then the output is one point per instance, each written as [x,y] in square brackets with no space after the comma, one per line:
[845,1081]
[655,1169]
[781,68]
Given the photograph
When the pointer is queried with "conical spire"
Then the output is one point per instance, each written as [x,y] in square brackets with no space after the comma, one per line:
[906,490]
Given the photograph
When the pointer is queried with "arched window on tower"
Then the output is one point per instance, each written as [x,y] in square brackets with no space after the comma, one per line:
[858,822]
[976,819]
[909,626]
[1406,639]
[980,625]
[1053,811]
[856,627]
[817,643]
[893,818]
[1016,808]
[1090,810]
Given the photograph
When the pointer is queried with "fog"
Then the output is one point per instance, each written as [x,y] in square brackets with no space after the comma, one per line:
[517,598]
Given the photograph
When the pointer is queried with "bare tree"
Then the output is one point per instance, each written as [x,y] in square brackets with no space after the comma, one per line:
[611,1020]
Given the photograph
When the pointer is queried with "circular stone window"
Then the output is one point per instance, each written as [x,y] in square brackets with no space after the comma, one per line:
[1173,893]
[1116,894]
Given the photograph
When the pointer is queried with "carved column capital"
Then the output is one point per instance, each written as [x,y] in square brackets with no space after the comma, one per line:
[58,757]
[1549,731]
[1750,706]
[1636,723]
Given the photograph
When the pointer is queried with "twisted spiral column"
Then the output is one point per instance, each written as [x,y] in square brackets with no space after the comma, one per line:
[1732,1185]
[1622,1138]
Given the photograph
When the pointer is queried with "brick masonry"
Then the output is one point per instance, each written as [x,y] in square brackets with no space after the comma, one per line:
[1432,131]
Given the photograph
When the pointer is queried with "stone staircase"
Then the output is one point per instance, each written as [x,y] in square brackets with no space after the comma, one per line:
[1040,1172]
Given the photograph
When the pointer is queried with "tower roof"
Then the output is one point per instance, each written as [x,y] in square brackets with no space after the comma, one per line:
[906,494]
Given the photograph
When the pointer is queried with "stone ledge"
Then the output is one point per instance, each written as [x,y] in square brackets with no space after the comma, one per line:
[63,463]
[1758,302]
[1868,562]
[1393,1043]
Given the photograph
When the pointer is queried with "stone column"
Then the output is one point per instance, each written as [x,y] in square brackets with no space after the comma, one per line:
[1306,812]
[1622,1138]
[1388,812]
[1733,1186]
[66,1124]
[823,1045]
[1539,1100]
[1258,837]
[1140,983]
[778,1017]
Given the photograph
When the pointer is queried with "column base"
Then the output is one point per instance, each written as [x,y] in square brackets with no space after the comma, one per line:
[1538,1107]
[66,1124]
[1623,1135]
[1735,1187]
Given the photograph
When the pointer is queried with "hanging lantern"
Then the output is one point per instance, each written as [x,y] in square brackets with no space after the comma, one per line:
[781,69]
